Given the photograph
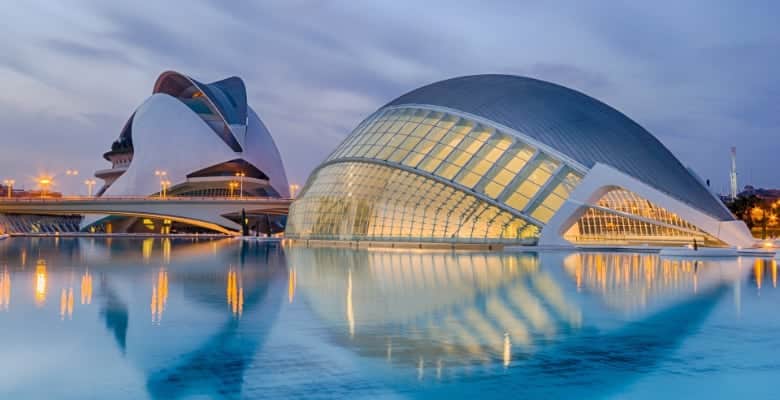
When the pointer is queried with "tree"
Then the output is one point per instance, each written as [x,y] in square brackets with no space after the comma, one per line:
[743,206]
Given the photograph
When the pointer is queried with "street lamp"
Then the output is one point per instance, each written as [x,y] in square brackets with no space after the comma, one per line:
[9,186]
[241,176]
[232,185]
[72,172]
[90,185]
[165,185]
[293,188]
[161,175]
[44,183]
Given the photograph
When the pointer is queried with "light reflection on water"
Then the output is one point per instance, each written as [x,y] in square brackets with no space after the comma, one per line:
[157,318]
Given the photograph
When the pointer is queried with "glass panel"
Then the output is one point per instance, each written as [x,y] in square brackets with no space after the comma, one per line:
[562,187]
[541,171]
[605,226]
[439,152]
[521,157]
[517,200]
[469,179]
[353,200]
[543,214]
[483,161]
[447,170]
[448,121]
[507,166]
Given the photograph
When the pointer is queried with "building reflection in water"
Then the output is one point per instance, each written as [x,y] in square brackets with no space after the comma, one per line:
[5,289]
[445,307]
[765,269]
[431,315]
[429,308]
[86,288]
[507,350]
[40,283]
[66,303]
[166,250]
[159,295]
[146,249]
[291,284]
[350,310]
[627,281]
[254,285]
[235,292]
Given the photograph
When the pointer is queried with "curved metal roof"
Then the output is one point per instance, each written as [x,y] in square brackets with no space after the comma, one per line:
[226,97]
[573,123]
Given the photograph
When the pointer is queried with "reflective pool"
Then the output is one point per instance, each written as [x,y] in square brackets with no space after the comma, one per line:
[169,319]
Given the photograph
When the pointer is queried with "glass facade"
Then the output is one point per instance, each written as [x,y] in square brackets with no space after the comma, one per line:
[575,125]
[412,173]
[366,201]
[614,221]
[430,174]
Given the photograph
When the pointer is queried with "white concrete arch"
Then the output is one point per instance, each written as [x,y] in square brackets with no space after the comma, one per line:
[603,178]
[168,136]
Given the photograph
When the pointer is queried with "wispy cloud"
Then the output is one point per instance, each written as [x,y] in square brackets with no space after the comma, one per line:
[699,76]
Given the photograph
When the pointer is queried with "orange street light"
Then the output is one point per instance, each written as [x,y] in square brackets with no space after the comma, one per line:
[241,176]
[232,185]
[44,182]
[161,174]
[165,185]
[9,186]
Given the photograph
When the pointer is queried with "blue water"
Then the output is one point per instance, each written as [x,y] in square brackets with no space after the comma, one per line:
[170,319]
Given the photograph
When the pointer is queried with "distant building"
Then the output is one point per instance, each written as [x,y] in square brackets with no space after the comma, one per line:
[200,135]
[188,139]
[507,160]
[192,139]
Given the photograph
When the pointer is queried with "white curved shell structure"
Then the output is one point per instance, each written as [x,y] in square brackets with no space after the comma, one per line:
[186,126]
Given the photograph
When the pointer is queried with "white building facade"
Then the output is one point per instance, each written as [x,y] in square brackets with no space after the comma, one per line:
[192,139]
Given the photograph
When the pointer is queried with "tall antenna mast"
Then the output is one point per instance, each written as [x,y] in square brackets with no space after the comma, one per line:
[733,174]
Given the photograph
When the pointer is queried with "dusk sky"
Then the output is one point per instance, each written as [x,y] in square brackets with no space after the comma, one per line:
[701,76]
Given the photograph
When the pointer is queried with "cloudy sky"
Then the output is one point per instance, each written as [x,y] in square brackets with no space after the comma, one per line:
[701,76]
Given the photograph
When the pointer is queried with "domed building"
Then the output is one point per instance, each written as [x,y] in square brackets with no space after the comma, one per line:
[192,139]
[506,160]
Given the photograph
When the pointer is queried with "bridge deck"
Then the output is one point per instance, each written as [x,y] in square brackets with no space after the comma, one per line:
[208,212]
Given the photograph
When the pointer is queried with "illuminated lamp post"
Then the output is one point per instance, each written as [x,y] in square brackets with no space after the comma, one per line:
[241,176]
[165,185]
[232,185]
[161,175]
[293,188]
[9,186]
[90,185]
[44,183]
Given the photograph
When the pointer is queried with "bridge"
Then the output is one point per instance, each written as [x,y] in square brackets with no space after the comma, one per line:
[205,212]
